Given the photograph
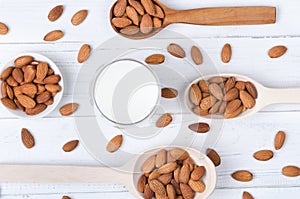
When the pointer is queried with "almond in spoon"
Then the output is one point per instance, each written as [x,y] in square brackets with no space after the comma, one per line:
[120,8]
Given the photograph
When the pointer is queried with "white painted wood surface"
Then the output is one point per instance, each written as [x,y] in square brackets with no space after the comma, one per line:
[27,20]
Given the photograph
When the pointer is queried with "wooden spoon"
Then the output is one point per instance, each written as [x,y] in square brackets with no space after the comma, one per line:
[248,15]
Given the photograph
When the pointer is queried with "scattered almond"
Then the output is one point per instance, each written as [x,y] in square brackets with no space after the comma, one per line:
[213,156]
[291,171]
[114,144]
[84,53]
[226,53]
[164,120]
[68,109]
[277,51]
[70,146]
[55,13]
[263,155]
[169,93]
[242,176]
[27,138]
[196,55]
[176,50]
[200,127]
[3,29]
[279,140]
[79,17]
[66,197]
[247,195]
[54,35]
[155,59]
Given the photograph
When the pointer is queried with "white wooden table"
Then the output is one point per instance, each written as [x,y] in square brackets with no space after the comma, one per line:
[27,20]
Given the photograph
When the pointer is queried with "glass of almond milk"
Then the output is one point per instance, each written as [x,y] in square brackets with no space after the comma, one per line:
[126,92]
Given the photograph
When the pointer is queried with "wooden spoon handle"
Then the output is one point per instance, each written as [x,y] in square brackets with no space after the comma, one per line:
[224,16]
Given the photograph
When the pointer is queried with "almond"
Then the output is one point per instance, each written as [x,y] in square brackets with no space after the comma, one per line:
[263,155]
[230,83]
[153,175]
[232,94]
[121,22]
[4,89]
[251,89]
[195,94]
[133,15]
[157,23]
[49,102]
[79,17]
[198,173]
[41,88]
[247,100]
[55,13]
[53,88]
[146,24]
[242,176]
[155,59]
[6,73]
[186,191]
[148,193]
[66,197]
[84,53]
[27,138]
[190,162]
[279,140]
[171,192]
[216,91]
[233,106]
[114,144]
[277,51]
[203,86]
[176,50]
[230,115]
[149,7]
[68,109]
[70,146]
[291,171]
[17,74]
[165,179]
[26,101]
[176,187]
[43,97]
[164,120]
[36,110]
[200,127]
[169,93]
[3,29]
[29,73]
[11,81]
[120,7]
[137,6]
[222,108]
[240,85]
[207,102]
[142,183]
[215,108]
[196,55]
[213,156]
[23,61]
[167,168]
[176,174]
[28,89]
[149,164]
[161,158]
[247,195]
[159,13]
[54,35]
[22,108]
[217,80]
[41,71]
[52,79]
[197,186]
[197,110]
[226,53]
[157,187]
[130,30]
[50,71]
[184,174]
[179,154]
[10,92]
[8,103]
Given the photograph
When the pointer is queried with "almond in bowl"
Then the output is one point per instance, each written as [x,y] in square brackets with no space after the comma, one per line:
[31,86]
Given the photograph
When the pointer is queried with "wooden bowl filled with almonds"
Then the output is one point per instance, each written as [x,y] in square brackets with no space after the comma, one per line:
[31,86]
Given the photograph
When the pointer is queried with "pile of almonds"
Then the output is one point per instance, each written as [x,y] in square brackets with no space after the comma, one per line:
[131,17]
[171,174]
[29,86]
[222,96]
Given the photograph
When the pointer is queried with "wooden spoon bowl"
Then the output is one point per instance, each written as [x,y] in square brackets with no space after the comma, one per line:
[248,15]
